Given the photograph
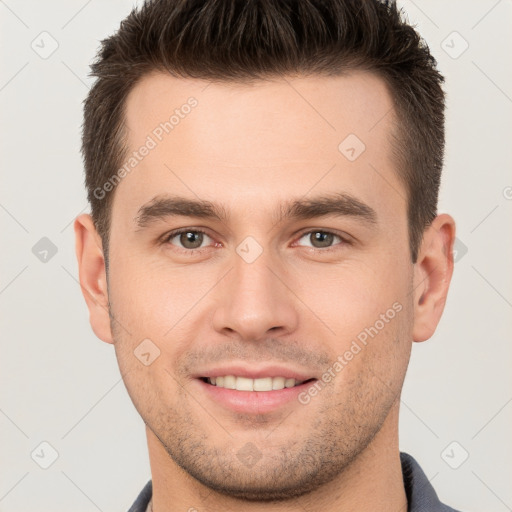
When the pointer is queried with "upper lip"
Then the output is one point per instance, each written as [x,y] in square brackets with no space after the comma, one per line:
[255,372]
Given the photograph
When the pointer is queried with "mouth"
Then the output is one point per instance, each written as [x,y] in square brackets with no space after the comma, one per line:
[253,396]
[264,384]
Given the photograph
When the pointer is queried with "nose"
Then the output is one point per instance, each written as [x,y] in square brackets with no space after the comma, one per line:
[255,300]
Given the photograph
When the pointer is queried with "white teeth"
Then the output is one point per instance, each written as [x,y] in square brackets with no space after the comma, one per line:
[278,382]
[230,382]
[289,383]
[246,384]
[264,384]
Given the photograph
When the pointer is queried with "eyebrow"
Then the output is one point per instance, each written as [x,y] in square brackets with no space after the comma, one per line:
[341,204]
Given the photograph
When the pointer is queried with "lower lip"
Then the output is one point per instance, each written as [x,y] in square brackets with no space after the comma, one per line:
[253,402]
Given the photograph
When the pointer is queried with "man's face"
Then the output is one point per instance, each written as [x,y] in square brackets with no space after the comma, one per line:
[256,292]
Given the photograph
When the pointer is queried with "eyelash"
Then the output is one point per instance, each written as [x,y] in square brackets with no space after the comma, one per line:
[169,236]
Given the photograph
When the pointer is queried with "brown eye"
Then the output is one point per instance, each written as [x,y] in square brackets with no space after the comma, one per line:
[321,239]
[187,239]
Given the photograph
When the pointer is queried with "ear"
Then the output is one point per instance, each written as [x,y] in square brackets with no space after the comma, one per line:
[432,275]
[92,275]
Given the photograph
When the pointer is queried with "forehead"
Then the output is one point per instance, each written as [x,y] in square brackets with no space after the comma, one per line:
[259,140]
[332,105]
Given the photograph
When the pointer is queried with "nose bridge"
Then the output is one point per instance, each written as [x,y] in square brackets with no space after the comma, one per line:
[250,280]
[253,299]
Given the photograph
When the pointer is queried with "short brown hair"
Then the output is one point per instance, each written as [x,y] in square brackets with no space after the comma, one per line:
[247,40]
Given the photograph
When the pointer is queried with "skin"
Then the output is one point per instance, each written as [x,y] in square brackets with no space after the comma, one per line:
[251,148]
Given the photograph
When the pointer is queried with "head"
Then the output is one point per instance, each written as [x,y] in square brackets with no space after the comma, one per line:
[300,148]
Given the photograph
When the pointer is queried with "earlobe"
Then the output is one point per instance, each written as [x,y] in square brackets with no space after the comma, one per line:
[432,275]
[92,275]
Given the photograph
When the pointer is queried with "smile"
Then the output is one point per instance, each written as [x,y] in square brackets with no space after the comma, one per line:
[246,384]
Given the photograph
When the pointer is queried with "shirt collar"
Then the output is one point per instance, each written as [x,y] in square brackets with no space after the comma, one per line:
[421,496]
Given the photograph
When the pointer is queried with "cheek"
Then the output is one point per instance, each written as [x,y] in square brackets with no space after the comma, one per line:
[354,296]
[368,310]
[371,358]
[153,298]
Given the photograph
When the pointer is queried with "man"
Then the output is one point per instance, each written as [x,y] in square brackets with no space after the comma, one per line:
[264,246]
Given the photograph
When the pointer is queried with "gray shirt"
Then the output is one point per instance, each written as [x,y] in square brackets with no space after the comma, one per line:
[421,496]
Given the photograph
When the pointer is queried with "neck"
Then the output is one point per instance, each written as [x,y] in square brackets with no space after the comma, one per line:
[373,482]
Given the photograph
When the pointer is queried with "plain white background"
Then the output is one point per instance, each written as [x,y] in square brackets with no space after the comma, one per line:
[61,385]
